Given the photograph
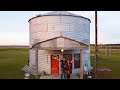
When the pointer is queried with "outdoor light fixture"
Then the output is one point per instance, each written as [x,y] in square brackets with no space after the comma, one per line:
[62,50]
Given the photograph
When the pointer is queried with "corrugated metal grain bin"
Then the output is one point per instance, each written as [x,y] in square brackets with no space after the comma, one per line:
[55,31]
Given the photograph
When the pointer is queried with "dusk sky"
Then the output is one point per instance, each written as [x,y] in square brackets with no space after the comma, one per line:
[14,26]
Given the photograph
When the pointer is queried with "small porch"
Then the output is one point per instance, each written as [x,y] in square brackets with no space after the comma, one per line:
[60,43]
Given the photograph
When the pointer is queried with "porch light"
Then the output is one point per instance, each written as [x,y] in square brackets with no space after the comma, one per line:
[62,50]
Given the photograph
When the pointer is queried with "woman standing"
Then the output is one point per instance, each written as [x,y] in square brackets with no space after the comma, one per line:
[68,68]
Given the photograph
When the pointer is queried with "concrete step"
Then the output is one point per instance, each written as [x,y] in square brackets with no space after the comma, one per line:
[72,76]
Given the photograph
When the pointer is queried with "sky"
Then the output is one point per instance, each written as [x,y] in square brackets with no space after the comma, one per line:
[14,26]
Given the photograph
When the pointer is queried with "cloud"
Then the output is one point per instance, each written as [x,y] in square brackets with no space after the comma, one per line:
[14,38]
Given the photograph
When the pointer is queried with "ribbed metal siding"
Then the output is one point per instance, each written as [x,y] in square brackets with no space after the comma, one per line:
[46,27]
[44,61]
[32,58]
[86,58]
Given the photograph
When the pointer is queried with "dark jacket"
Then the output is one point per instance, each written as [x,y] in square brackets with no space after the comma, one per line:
[63,63]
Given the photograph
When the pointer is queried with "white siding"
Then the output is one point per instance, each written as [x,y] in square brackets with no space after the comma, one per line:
[44,61]
[32,58]
[86,58]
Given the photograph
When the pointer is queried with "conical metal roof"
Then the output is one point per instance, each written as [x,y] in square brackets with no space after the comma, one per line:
[60,13]
[63,13]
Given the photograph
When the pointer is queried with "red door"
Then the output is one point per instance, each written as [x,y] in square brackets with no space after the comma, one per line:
[54,64]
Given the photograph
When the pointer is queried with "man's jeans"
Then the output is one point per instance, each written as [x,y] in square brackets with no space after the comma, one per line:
[63,74]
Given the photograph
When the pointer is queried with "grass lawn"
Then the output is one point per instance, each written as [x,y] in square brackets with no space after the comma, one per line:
[111,62]
[12,61]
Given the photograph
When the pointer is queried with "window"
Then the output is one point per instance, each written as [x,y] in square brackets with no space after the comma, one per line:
[77,61]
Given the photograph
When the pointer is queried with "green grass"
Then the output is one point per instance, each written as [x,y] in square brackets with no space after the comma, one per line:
[12,60]
[111,62]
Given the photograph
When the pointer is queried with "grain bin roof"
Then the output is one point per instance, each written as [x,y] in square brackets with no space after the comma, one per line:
[56,13]
[60,13]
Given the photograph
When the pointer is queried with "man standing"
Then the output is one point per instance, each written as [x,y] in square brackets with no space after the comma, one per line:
[63,68]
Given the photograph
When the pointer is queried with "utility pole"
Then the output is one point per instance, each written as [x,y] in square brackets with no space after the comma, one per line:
[96,48]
